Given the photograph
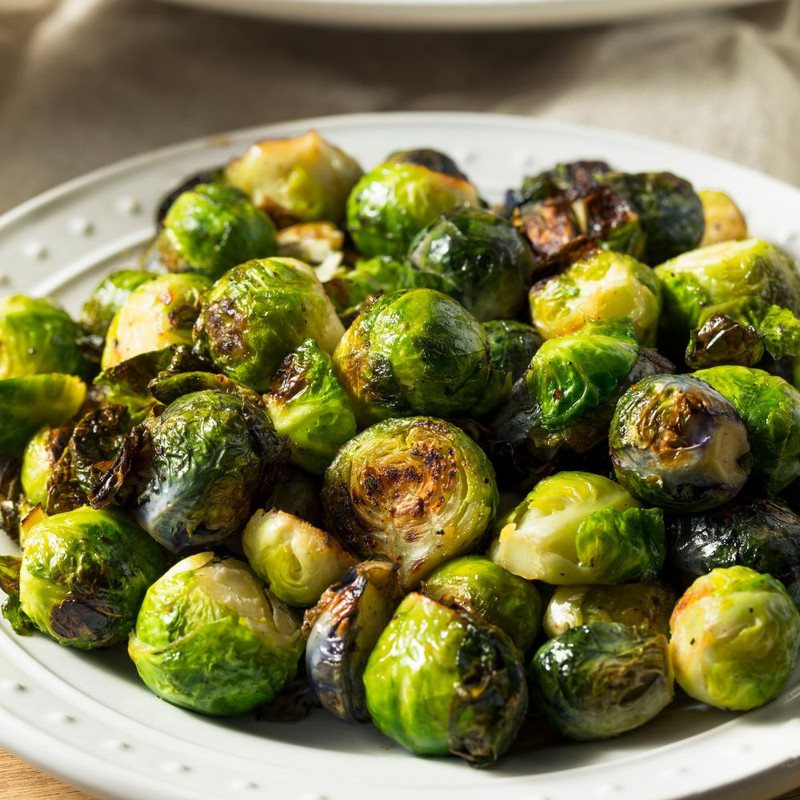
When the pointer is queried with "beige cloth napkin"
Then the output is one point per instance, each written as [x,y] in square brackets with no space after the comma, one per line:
[86,82]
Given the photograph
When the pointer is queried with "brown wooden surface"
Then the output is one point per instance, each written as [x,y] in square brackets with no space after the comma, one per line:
[20,781]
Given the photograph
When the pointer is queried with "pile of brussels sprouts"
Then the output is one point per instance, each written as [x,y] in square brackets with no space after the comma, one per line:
[360,441]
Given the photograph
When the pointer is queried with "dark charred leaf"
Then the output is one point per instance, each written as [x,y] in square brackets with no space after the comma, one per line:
[134,452]
[96,443]
[64,492]
[12,499]
[723,340]
[168,387]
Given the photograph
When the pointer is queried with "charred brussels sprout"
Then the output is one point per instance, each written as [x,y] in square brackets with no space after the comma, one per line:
[260,311]
[735,634]
[677,445]
[308,405]
[415,351]
[724,220]
[481,588]
[39,461]
[478,258]
[84,574]
[415,491]
[211,638]
[600,285]
[440,683]
[304,179]
[391,204]
[512,345]
[723,340]
[432,159]
[297,561]
[157,314]
[108,297]
[602,679]
[342,631]
[770,410]
[577,527]
[211,228]
[645,606]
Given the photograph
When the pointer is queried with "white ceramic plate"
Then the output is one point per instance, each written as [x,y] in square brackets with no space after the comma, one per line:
[460,14]
[87,718]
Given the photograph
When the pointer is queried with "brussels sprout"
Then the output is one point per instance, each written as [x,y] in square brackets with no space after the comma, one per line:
[723,340]
[735,634]
[602,679]
[342,631]
[192,471]
[478,586]
[108,297]
[762,534]
[211,228]
[601,285]
[577,527]
[392,203]
[317,243]
[211,175]
[415,351]
[416,491]
[308,405]
[298,561]
[573,179]
[477,258]
[157,314]
[677,445]
[211,638]
[304,179]
[432,159]
[83,575]
[770,410]
[439,683]
[645,606]
[260,311]
[39,460]
[723,219]
[37,337]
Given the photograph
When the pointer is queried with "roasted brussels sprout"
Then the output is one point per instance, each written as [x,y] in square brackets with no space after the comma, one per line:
[157,314]
[308,405]
[677,445]
[391,204]
[770,410]
[512,345]
[601,679]
[296,560]
[438,683]
[83,575]
[724,221]
[600,285]
[260,311]
[478,258]
[735,634]
[211,228]
[415,351]
[645,606]
[427,157]
[211,638]
[723,340]
[304,179]
[39,460]
[191,472]
[761,534]
[478,586]
[342,631]
[416,491]
[577,527]
[108,297]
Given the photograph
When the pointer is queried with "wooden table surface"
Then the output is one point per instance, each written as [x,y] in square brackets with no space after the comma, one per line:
[20,781]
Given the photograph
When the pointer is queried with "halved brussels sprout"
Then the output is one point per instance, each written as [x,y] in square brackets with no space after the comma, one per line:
[770,410]
[677,445]
[735,634]
[645,606]
[476,257]
[416,491]
[260,311]
[83,575]
[211,638]
[157,314]
[438,683]
[108,297]
[308,405]
[601,679]
[600,285]
[724,221]
[303,179]
[39,461]
[486,591]
[342,631]
[211,228]
[577,527]
[296,560]
[391,204]
[415,351]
